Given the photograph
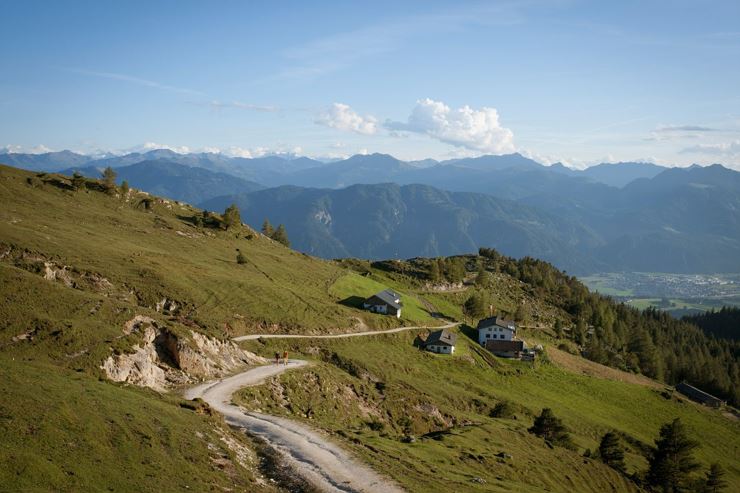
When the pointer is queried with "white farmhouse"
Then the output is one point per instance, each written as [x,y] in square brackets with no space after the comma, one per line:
[495,329]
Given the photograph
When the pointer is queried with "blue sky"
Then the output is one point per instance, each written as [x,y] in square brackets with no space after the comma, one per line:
[576,81]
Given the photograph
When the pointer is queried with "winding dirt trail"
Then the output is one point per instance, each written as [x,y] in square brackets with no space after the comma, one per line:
[313,456]
[250,337]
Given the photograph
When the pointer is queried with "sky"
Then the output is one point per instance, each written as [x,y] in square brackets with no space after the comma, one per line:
[579,82]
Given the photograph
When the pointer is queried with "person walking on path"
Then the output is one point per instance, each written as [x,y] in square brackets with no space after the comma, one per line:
[277,358]
[285,357]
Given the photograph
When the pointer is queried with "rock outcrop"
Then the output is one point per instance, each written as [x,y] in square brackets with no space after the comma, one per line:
[164,359]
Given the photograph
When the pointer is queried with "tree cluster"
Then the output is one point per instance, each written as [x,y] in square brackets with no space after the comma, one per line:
[280,234]
[650,342]
[724,323]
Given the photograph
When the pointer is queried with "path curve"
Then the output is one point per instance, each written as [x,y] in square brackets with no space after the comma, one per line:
[250,337]
[315,458]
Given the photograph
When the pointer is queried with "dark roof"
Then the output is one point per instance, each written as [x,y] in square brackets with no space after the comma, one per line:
[504,346]
[441,337]
[697,394]
[388,297]
[491,321]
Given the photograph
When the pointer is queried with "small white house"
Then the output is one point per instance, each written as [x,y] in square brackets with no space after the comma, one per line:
[495,329]
[441,342]
[386,302]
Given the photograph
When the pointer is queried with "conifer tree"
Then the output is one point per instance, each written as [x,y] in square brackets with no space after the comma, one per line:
[483,278]
[124,188]
[232,217]
[672,462]
[611,451]
[551,428]
[267,228]
[558,329]
[715,480]
[109,179]
[475,306]
[434,273]
[281,236]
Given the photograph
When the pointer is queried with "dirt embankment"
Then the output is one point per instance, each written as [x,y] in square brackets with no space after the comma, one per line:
[164,359]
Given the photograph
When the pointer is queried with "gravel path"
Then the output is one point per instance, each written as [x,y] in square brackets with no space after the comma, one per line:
[250,337]
[311,454]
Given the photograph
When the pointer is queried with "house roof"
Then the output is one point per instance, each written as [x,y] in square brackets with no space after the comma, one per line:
[504,346]
[442,337]
[697,394]
[491,321]
[388,297]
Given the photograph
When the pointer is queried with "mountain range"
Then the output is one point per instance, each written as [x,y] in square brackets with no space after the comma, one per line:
[610,217]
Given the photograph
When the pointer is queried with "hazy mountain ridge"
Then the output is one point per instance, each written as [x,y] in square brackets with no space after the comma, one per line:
[177,181]
[680,220]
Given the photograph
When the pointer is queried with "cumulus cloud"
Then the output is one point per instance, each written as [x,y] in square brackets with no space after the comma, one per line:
[478,130]
[343,117]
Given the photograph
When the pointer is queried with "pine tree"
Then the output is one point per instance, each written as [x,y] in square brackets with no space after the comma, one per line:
[611,451]
[434,273]
[558,329]
[454,269]
[267,229]
[124,188]
[78,181]
[232,217]
[475,306]
[109,179]
[672,462]
[551,428]
[281,236]
[715,481]
[483,278]
[520,315]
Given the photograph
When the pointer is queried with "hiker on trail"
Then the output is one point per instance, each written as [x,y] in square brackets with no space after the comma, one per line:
[277,358]
[285,357]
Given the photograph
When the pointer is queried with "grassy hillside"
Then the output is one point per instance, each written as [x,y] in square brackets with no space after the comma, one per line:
[373,393]
[148,256]
[64,431]
[76,266]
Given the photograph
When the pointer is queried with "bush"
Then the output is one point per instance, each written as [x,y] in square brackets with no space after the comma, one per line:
[503,410]
[240,257]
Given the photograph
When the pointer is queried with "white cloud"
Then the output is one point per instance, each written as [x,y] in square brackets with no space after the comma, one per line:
[478,130]
[342,117]
[137,81]
[220,105]
[18,149]
[153,146]
[731,149]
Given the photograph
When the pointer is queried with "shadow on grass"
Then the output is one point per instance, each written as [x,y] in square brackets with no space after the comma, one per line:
[353,302]
[469,332]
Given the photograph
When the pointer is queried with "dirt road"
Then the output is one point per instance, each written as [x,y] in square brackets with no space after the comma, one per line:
[311,454]
[250,337]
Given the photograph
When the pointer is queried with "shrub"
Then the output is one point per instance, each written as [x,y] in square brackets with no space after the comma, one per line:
[504,410]
[240,257]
